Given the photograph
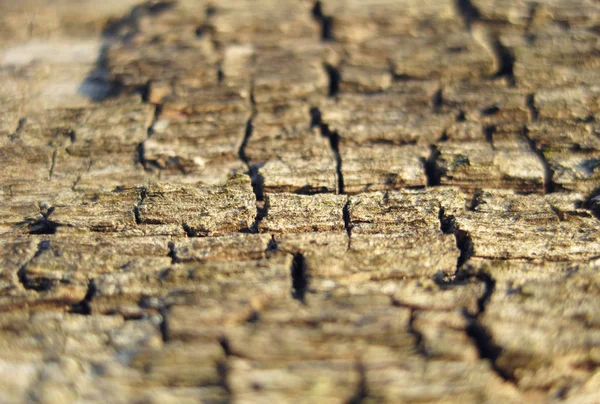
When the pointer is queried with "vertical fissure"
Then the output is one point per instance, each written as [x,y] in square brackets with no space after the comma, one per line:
[504,58]
[316,121]
[347,222]
[136,208]
[362,391]
[481,336]
[437,100]
[468,12]
[475,330]
[256,178]
[464,243]
[299,277]
[172,253]
[505,61]
[52,164]
[20,126]
[140,152]
[325,22]
[433,172]
[549,185]
[335,77]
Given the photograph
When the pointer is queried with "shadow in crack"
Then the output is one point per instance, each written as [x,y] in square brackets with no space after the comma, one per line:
[592,203]
[102,83]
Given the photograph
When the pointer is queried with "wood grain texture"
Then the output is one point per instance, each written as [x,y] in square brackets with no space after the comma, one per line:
[332,201]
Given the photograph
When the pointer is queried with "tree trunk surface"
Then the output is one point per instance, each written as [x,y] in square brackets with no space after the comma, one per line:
[339,201]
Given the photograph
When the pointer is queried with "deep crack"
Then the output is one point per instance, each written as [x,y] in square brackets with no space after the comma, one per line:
[335,77]
[468,12]
[39,284]
[84,307]
[464,243]
[549,184]
[432,170]
[325,21]
[362,391]
[316,121]
[299,277]
[481,336]
[136,209]
[42,225]
[347,222]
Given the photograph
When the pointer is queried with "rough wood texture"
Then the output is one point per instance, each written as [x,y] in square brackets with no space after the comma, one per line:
[300,201]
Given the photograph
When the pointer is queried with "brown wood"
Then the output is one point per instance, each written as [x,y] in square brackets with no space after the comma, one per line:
[294,201]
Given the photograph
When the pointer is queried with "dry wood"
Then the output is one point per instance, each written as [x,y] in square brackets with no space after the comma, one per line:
[299,201]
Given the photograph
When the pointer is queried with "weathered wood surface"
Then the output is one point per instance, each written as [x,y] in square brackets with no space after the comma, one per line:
[294,201]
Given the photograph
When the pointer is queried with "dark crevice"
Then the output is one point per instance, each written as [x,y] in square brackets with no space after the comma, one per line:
[468,12]
[487,348]
[491,110]
[39,284]
[256,178]
[335,77]
[225,345]
[247,135]
[157,111]
[347,221]
[476,200]
[140,151]
[504,57]
[464,243]
[549,184]
[419,343]
[20,125]
[316,121]
[325,21]
[505,60]
[144,92]
[299,277]
[84,307]
[272,244]
[262,209]
[136,209]
[311,190]
[533,9]
[560,215]
[164,324]
[334,143]
[258,183]
[592,203]
[52,164]
[488,132]
[437,100]
[362,391]
[42,225]
[475,330]
[432,170]
[530,104]
[189,231]
[490,287]
[481,336]
[172,253]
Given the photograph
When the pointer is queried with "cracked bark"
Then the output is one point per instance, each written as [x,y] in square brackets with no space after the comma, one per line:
[429,233]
